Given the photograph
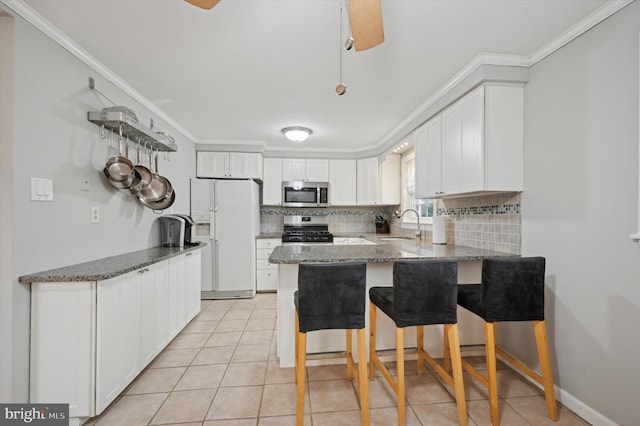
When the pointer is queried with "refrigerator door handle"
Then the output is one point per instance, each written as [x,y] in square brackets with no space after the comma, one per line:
[216,274]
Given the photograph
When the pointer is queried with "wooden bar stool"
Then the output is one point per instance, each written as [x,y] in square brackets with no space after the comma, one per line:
[424,292]
[332,296]
[511,290]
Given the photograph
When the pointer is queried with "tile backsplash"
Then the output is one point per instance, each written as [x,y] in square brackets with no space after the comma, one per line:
[341,219]
[491,222]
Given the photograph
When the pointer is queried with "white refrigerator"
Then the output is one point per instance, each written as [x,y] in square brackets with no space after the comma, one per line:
[227,217]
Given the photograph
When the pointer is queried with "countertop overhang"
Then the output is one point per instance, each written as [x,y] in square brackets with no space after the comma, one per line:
[109,267]
[383,251]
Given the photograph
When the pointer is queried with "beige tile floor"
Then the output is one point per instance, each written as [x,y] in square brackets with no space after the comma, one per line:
[222,370]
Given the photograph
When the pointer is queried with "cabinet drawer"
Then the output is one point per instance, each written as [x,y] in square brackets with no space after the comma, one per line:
[267,280]
[264,264]
[264,253]
[262,243]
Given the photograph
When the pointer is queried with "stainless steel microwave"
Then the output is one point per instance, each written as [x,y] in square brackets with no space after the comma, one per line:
[305,194]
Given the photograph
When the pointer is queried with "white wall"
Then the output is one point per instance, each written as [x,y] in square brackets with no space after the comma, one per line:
[54,140]
[579,206]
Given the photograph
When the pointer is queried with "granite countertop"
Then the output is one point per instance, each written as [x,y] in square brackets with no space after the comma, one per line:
[277,235]
[109,267]
[384,251]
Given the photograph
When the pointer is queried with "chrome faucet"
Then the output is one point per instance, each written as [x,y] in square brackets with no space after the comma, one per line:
[399,216]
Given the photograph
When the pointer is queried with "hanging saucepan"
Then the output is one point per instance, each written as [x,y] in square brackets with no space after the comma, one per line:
[120,182]
[165,203]
[141,172]
[119,167]
[157,188]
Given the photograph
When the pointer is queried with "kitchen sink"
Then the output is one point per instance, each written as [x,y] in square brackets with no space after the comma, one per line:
[394,238]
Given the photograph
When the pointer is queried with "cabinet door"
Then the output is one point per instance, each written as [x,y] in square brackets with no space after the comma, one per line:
[428,140]
[367,181]
[272,182]
[463,145]
[177,308]
[245,165]
[342,182]
[153,309]
[193,282]
[390,180]
[293,169]
[317,170]
[212,164]
[117,336]
[472,159]
[452,149]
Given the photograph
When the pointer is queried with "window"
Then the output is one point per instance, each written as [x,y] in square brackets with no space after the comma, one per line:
[423,206]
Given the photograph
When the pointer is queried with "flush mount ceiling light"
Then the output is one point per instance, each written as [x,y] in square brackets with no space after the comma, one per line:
[296,133]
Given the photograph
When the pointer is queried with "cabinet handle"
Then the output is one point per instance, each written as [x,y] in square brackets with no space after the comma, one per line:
[188,254]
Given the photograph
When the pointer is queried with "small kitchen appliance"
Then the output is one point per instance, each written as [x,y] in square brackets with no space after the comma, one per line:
[305,194]
[175,230]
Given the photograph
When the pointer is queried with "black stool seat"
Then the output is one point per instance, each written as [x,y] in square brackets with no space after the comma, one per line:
[511,290]
[332,296]
[424,292]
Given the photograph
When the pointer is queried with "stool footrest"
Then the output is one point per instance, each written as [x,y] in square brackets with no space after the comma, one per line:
[519,365]
[437,368]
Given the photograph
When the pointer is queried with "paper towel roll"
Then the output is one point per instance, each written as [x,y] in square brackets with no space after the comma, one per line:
[439,230]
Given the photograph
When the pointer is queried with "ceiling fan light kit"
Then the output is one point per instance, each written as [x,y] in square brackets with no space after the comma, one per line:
[297,133]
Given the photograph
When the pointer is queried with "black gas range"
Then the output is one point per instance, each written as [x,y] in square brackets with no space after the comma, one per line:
[306,230]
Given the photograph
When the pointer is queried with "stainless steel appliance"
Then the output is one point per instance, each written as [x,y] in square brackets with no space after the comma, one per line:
[227,217]
[306,230]
[176,230]
[305,194]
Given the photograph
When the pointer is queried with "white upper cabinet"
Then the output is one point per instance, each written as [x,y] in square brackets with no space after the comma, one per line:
[429,159]
[272,182]
[390,180]
[342,182]
[212,164]
[298,169]
[245,165]
[473,146]
[294,169]
[238,165]
[367,181]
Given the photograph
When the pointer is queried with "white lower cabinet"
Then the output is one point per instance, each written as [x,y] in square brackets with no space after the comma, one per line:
[193,282]
[89,340]
[117,336]
[266,273]
[153,311]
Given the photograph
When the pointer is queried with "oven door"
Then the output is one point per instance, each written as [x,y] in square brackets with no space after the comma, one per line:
[294,196]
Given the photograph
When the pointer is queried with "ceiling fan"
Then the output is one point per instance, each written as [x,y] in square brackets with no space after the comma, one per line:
[365,21]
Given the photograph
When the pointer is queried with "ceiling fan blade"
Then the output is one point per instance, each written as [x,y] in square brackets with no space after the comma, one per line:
[204,4]
[365,20]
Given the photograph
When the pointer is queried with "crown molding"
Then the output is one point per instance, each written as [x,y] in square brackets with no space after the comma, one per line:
[34,18]
[590,21]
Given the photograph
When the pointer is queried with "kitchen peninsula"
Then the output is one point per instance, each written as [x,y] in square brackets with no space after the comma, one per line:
[379,258]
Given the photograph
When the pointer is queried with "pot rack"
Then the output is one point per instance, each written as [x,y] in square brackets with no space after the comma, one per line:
[118,121]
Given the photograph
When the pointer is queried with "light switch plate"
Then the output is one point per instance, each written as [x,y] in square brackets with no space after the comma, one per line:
[41,189]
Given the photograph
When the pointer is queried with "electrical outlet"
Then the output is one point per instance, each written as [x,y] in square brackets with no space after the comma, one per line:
[95,214]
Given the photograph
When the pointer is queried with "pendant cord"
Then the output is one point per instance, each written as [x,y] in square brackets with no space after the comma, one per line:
[340,42]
